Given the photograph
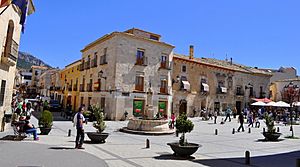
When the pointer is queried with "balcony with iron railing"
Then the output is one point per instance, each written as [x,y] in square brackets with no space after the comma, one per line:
[81,67]
[94,63]
[165,65]
[163,90]
[10,54]
[81,87]
[90,87]
[141,61]
[75,87]
[70,88]
[139,87]
[103,60]
[87,65]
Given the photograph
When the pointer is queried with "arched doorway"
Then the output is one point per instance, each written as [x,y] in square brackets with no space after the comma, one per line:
[182,106]
[9,38]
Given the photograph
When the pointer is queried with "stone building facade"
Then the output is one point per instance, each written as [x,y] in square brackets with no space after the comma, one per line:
[10,31]
[45,82]
[69,85]
[127,72]
[210,84]
[277,89]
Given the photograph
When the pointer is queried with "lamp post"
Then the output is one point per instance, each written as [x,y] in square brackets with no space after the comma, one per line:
[291,91]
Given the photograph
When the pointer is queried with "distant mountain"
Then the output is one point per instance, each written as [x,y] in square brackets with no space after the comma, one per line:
[26,60]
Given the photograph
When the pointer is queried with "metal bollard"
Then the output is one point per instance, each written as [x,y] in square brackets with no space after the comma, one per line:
[277,129]
[177,134]
[216,131]
[298,163]
[233,131]
[147,143]
[249,131]
[247,158]
[69,133]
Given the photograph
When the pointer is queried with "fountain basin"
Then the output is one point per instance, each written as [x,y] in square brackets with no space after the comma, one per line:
[148,127]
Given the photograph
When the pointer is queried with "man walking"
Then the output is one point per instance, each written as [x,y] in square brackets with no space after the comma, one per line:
[241,120]
[78,121]
[228,112]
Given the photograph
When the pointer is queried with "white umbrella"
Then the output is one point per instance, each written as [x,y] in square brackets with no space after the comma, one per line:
[282,104]
[259,103]
[297,104]
[272,104]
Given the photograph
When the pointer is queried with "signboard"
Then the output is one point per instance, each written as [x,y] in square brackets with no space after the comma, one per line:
[162,107]
[138,106]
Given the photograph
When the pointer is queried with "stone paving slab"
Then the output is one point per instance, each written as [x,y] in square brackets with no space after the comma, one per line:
[224,149]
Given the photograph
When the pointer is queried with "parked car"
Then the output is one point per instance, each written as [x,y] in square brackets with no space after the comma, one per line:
[54,105]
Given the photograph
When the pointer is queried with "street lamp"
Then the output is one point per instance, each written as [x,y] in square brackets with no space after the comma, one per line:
[176,81]
[290,92]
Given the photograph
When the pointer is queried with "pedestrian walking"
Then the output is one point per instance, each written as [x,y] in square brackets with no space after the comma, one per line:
[250,119]
[210,114]
[241,120]
[215,116]
[79,122]
[228,113]
[234,112]
[173,120]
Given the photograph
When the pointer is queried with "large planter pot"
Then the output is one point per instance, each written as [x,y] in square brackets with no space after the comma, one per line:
[271,136]
[45,131]
[184,151]
[97,137]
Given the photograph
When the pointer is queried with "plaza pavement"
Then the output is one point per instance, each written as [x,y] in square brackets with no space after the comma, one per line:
[122,149]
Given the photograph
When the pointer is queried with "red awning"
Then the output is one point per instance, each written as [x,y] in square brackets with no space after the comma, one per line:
[265,100]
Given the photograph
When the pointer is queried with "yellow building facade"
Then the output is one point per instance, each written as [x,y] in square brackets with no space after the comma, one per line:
[69,80]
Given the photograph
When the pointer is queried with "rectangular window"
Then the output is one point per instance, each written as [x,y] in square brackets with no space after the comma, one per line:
[102,103]
[140,57]
[139,83]
[239,91]
[2,92]
[163,63]
[251,94]
[95,59]
[89,101]
[183,68]
[103,57]
[81,101]
[164,86]
[97,85]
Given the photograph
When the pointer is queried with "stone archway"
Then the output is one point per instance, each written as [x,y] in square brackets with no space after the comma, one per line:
[182,107]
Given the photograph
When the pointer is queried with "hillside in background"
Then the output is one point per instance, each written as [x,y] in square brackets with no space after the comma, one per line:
[26,60]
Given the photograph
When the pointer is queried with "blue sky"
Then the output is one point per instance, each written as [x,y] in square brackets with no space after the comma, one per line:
[263,33]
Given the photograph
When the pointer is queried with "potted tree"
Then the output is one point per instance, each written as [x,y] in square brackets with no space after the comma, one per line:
[270,135]
[99,136]
[45,122]
[183,148]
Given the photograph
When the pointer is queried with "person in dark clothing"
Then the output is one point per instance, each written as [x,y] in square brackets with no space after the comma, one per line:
[79,121]
[228,113]
[241,120]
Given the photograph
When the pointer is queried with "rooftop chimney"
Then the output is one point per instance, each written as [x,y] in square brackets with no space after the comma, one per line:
[191,52]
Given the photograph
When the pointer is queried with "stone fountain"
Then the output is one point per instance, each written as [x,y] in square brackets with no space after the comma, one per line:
[147,125]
